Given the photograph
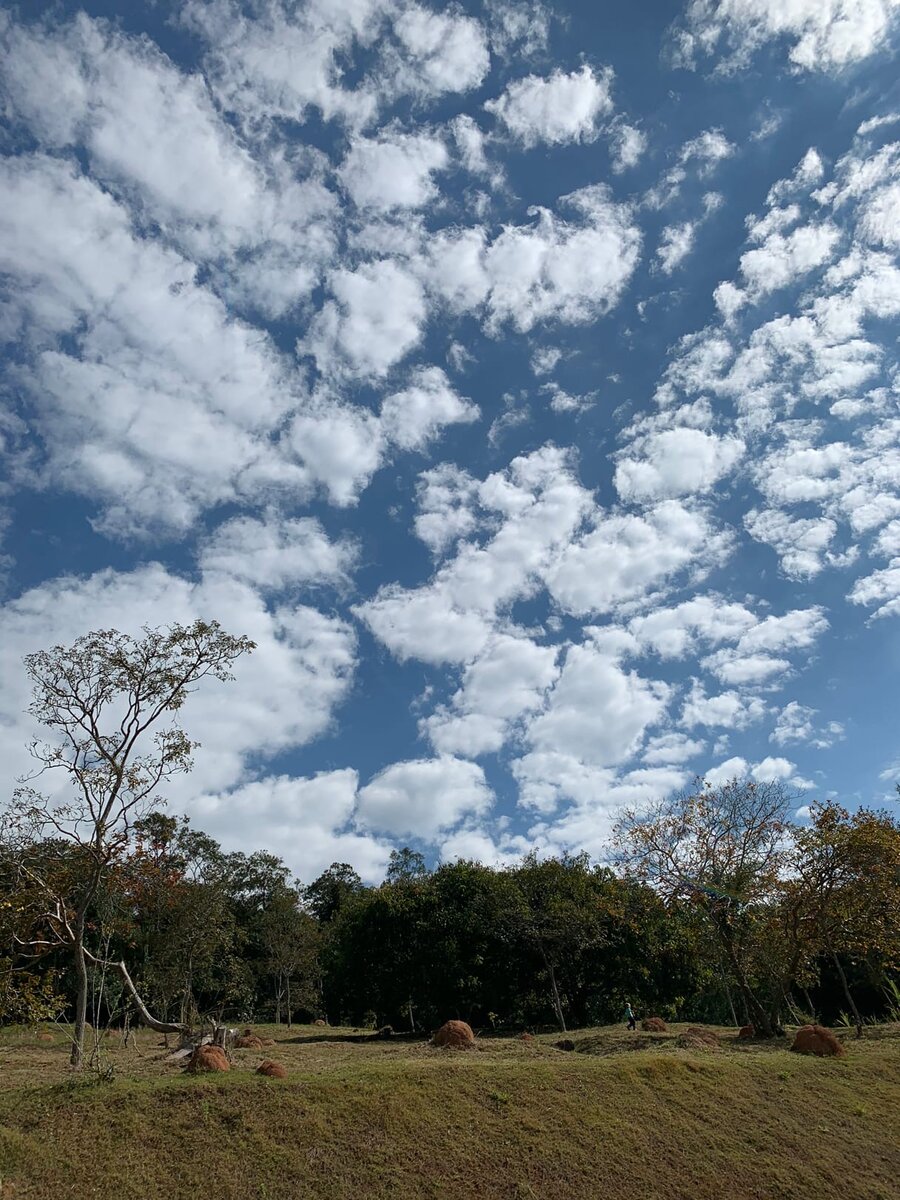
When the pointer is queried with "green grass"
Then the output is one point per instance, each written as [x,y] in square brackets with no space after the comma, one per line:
[629,1117]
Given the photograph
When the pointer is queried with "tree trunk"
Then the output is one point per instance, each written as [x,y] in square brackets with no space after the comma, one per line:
[81,974]
[557,1003]
[849,995]
[762,1022]
[288,984]
[146,1016]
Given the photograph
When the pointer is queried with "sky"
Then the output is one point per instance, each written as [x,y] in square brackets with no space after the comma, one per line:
[521,377]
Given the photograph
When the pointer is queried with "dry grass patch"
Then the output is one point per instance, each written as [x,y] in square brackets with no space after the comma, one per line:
[395,1120]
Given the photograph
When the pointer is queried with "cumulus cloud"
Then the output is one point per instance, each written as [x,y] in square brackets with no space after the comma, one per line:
[824,35]
[795,724]
[624,556]
[557,109]
[676,462]
[508,678]
[158,365]
[283,695]
[675,245]
[375,318]
[274,552]
[393,170]
[422,797]
[540,504]
[414,417]
[571,271]
[727,710]
[307,819]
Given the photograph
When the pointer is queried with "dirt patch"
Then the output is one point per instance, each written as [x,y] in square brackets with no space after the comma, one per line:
[273,1069]
[816,1039]
[697,1039]
[208,1058]
[702,1035]
[654,1025]
[454,1035]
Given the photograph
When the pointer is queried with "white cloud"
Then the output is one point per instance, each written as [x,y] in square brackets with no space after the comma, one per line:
[393,170]
[558,109]
[881,588]
[447,497]
[449,619]
[675,245]
[677,632]
[824,35]
[441,52]
[572,271]
[596,713]
[783,258]
[509,678]
[755,658]
[304,819]
[623,556]
[422,797]
[341,445]
[799,543]
[283,695]
[276,552]
[414,417]
[627,145]
[675,462]
[520,26]
[795,724]
[375,319]
[727,710]
[158,365]
[670,748]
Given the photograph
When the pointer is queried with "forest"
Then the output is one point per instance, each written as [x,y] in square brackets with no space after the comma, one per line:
[716,905]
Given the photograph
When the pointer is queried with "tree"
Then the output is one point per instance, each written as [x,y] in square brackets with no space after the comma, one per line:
[327,895]
[405,864]
[100,698]
[845,889]
[559,912]
[725,851]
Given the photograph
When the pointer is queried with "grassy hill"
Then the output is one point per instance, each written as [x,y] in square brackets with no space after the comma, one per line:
[625,1117]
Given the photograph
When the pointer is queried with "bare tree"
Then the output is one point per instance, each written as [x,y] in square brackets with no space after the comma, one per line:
[100,698]
[725,850]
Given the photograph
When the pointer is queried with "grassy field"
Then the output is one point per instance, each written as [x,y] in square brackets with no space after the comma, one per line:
[625,1117]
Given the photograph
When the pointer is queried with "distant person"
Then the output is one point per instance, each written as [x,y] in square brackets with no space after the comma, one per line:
[629,1017]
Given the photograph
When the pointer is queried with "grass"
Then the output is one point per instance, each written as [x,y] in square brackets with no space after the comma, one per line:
[627,1116]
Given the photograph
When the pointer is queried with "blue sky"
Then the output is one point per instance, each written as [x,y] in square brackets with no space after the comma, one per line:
[523,378]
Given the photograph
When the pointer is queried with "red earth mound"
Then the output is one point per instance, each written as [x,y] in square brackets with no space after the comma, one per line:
[271,1068]
[745,1032]
[816,1039]
[526,1037]
[454,1035]
[208,1058]
[654,1025]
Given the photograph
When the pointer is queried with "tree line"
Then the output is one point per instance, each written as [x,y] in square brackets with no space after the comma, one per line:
[715,906]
